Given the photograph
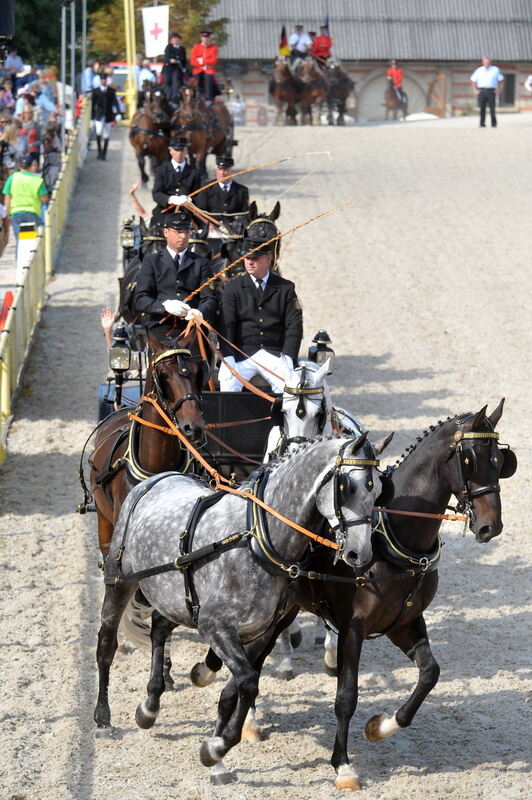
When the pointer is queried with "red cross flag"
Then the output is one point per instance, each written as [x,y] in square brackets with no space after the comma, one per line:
[155,20]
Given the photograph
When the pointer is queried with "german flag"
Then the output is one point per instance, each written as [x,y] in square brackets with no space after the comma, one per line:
[284,50]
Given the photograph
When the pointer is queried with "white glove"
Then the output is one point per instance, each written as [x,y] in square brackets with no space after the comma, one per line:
[200,60]
[194,312]
[118,118]
[177,199]
[176,307]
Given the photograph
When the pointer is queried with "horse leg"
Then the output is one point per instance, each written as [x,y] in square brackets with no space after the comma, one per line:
[341,113]
[330,118]
[349,648]
[413,641]
[148,709]
[140,162]
[115,600]
[330,656]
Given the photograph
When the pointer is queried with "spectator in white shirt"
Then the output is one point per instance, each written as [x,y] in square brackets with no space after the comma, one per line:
[487,82]
[299,43]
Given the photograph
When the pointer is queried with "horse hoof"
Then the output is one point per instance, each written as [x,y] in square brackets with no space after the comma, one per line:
[346,779]
[251,734]
[212,751]
[380,727]
[285,674]
[220,776]
[296,639]
[332,672]
[144,717]
[105,732]
[201,675]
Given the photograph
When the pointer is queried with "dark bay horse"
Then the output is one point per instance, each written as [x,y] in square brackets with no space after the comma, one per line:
[238,583]
[315,86]
[340,88]
[285,90]
[149,132]
[399,108]
[458,457]
[209,129]
[127,452]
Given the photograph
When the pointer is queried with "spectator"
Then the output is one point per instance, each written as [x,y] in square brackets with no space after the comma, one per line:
[8,150]
[144,75]
[30,77]
[32,130]
[51,166]
[87,78]
[24,193]
[45,100]
[12,65]
[24,101]
[4,105]
[238,110]
[9,99]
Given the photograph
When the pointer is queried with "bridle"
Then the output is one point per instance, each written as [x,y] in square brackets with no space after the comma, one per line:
[466,459]
[181,356]
[341,492]
[301,391]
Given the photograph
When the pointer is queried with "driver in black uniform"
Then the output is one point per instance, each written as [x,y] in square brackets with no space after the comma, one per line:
[175,179]
[226,196]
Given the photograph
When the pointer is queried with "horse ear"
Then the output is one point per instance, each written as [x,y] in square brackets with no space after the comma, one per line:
[382,444]
[495,415]
[322,372]
[479,419]
[360,442]
[252,210]
[276,211]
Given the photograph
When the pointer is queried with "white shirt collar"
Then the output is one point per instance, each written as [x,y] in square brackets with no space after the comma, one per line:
[176,165]
[264,280]
[223,185]
[173,253]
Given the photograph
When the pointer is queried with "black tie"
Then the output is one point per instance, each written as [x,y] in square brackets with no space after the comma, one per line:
[260,286]
[177,260]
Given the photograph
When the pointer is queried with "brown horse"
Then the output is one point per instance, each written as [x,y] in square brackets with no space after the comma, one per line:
[149,132]
[340,87]
[209,129]
[392,103]
[285,90]
[126,452]
[314,90]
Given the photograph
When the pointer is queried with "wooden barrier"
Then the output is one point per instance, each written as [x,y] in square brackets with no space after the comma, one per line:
[23,316]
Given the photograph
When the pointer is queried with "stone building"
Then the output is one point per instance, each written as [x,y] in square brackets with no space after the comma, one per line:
[437,42]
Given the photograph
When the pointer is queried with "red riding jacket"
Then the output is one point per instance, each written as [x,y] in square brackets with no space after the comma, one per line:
[204,58]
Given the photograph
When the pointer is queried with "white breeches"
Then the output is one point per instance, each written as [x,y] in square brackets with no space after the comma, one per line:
[102,128]
[248,368]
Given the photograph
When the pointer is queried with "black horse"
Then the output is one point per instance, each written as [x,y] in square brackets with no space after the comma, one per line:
[460,456]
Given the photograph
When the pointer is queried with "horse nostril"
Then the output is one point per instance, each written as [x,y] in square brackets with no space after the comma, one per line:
[485,533]
[352,556]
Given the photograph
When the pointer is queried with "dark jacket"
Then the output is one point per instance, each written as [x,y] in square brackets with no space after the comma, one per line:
[168,182]
[274,321]
[177,52]
[159,280]
[104,104]
[218,201]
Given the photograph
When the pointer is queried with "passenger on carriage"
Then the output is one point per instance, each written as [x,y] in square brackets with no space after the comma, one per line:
[262,317]
[321,46]
[203,60]
[396,74]
[167,278]
[226,197]
[299,43]
[175,68]
[174,179]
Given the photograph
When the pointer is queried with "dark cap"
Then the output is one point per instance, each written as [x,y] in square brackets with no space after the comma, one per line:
[251,244]
[205,33]
[225,161]
[179,221]
[26,160]
[312,33]
[176,35]
[299,25]
[178,142]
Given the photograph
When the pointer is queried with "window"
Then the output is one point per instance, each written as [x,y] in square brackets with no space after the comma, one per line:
[507,96]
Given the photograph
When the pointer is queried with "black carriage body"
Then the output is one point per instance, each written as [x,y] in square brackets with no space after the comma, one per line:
[248,440]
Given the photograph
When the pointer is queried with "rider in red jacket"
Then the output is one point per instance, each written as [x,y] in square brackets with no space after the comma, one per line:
[396,74]
[321,45]
[203,60]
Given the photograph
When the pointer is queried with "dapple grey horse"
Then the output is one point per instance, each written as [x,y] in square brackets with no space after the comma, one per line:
[241,599]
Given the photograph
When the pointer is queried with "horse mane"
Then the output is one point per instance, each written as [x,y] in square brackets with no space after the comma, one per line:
[428,433]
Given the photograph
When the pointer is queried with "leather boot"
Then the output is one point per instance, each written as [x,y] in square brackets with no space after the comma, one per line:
[99,143]
[105,145]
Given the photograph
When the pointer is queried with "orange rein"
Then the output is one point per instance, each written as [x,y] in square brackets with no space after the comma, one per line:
[222,483]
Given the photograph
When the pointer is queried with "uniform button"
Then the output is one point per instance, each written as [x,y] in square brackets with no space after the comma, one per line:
[261,320]
[261,333]
[260,308]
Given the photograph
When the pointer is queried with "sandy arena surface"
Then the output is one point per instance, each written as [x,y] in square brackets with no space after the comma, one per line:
[424,286]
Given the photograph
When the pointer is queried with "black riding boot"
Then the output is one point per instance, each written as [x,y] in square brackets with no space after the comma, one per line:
[99,143]
[105,145]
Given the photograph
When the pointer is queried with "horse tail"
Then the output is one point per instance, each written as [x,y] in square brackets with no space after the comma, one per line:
[135,624]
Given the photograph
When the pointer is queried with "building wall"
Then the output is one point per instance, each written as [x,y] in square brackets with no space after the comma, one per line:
[369,78]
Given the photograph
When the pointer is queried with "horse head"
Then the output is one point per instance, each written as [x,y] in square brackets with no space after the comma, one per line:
[346,492]
[304,408]
[198,242]
[176,380]
[473,466]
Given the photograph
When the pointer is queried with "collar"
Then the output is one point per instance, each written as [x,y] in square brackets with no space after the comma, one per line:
[223,185]
[256,280]
[176,165]
[173,253]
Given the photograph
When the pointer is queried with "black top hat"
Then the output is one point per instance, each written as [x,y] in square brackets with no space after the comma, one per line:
[178,142]
[179,221]
[254,242]
[225,161]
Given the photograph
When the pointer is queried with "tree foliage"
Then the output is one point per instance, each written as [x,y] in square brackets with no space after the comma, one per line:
[107,40]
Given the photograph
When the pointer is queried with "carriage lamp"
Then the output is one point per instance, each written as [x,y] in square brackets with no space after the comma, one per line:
[127,235]
[120,350]
[319,351]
